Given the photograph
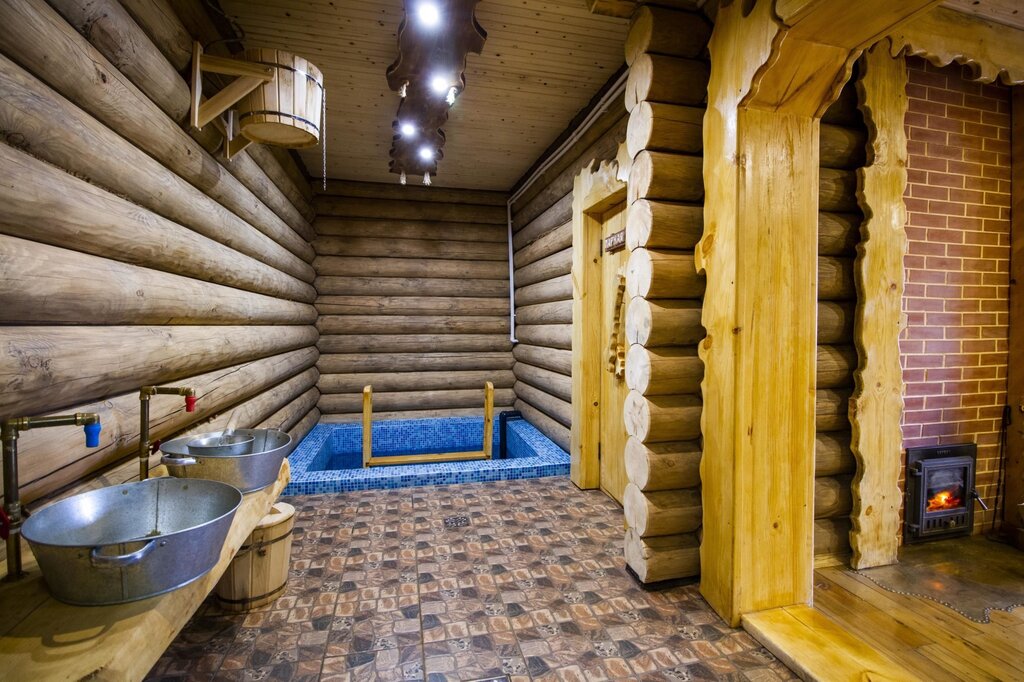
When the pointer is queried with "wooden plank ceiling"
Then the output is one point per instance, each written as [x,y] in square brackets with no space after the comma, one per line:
[1009,12]
[543,61]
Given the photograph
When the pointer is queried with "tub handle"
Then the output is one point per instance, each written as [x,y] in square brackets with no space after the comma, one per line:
[177,461]
[121,560]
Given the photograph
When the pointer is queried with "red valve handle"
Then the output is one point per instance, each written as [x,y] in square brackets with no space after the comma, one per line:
[190,403]
[154,446]
[5,524]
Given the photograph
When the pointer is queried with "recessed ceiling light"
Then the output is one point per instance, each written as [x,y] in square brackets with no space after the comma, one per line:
[439,84]
[407,129]
[429,14]
[426,153]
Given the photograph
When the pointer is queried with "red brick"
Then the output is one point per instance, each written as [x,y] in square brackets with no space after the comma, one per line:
[935,94]
[927,276]
[959,305]
[968,115]
[936,136]
[921,77]
[939,402]
[945,236]
[980,373]
[943,291]
[959,414]
[963,333]
[977,156]
[965,168]
[938,429]
[974,102]
[940,345]
[968,196]
[965,141]
[950,125]
[963,250]
[964,278]
[950,208]
[941,193]
[945,151]
[943,263]
[925,220]
[943,374]
[976,211]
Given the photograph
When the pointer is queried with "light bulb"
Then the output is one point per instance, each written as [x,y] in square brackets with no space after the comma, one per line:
[429,14]
[401,178]
[451,96]
[408,129]
[439,84]
[426,153]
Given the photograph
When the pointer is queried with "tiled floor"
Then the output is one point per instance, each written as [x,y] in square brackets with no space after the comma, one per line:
[465,582]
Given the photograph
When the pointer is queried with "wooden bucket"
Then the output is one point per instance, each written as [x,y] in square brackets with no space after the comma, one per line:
[286,110]
[259,572]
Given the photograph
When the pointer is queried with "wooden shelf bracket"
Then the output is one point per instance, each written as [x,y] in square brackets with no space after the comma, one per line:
[249,76]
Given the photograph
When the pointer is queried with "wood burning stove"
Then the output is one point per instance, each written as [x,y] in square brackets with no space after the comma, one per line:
[940,492]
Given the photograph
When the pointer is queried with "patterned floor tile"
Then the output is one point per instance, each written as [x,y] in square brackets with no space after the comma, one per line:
[527,583]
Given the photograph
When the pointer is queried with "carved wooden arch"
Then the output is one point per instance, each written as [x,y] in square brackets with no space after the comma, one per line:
[942,36]
[776,65]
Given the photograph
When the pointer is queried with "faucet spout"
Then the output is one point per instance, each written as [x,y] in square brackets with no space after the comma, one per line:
[145,393]
[9,432]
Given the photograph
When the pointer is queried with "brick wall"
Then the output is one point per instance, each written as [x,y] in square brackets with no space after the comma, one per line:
[954,350]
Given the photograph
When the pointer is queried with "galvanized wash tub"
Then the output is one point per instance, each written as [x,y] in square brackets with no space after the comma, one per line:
[132,541]
[197,457]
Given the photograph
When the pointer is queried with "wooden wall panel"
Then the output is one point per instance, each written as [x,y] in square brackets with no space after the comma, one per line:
[413,299]
[133,255]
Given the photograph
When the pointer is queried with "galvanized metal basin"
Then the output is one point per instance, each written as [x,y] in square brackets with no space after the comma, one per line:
[235,444]
[132,541]
[248,472]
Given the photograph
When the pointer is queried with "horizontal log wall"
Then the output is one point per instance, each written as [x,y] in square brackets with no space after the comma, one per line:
[843,144]
[412,296]
[666,94]
[132,253]
[542,243]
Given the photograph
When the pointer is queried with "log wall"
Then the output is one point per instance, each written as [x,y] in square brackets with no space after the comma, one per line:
[132,253]
[412,296]
[542,244]
[843,144]
[665,96]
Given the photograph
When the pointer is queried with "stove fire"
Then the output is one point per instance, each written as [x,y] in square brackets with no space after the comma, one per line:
[945,499]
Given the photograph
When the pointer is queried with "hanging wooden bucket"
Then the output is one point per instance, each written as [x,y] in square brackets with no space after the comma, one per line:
[259,572]
[285,111]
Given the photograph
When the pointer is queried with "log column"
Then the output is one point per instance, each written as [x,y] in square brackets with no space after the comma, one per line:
[841,151]
[665,95]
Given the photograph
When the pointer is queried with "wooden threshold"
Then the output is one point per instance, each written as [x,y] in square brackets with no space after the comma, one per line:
[43,639]
[428,459]
[816,647]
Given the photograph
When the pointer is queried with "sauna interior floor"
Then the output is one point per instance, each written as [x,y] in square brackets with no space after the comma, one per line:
[465,582]
[928,640]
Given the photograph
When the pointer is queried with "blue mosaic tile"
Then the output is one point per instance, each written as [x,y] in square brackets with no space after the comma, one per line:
[328,459]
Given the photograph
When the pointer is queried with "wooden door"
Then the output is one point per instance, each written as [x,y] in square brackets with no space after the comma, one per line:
[613,358]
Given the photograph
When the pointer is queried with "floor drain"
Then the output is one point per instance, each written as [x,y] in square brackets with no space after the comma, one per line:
[456,521]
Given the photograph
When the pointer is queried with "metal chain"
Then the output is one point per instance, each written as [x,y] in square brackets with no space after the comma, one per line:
[323,140]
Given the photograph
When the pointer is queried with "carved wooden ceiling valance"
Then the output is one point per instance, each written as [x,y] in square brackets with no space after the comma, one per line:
[433,41]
